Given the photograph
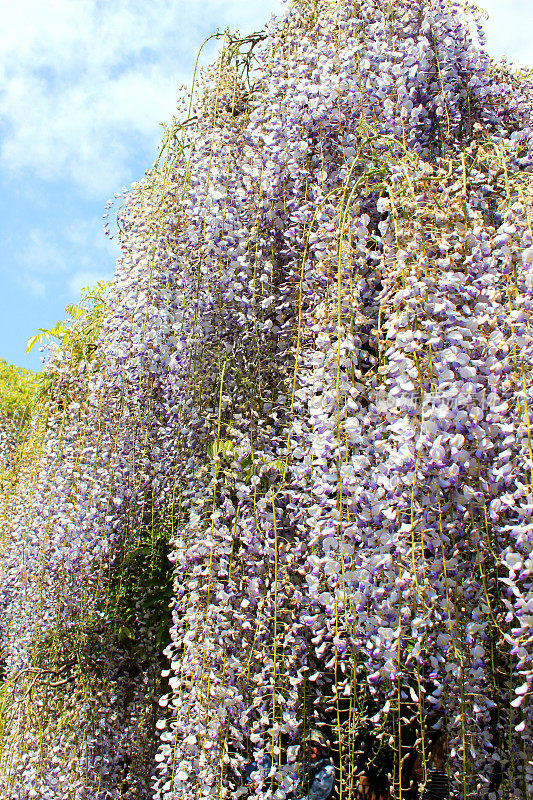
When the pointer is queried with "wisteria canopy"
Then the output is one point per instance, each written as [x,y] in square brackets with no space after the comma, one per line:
[290,483]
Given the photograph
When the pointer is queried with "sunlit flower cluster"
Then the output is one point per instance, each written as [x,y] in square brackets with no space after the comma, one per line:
[8,438]
[316,369]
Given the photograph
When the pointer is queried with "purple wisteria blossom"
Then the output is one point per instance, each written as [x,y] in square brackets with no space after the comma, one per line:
[315,374]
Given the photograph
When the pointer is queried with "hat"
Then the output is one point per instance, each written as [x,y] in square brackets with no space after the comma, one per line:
[317,737]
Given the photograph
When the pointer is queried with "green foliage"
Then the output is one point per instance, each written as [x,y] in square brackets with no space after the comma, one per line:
[17,390]
[141,589]
[78,335]
[224,452]
[46,335]
[221,449]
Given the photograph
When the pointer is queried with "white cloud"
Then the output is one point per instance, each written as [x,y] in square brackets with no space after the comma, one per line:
[33,285]
[88,235]
[508,29]
[84,84]
[39,254]
[78,255]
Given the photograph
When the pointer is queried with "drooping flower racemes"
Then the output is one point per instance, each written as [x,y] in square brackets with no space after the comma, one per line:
[313,381]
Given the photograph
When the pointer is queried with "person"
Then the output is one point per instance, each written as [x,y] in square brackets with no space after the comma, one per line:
[437,786]
[256,772]
[369,787]
[317,773]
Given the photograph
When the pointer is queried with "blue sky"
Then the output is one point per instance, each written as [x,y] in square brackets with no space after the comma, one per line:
[84,86]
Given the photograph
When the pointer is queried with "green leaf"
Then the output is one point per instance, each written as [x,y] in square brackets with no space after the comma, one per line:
[158,597]
[162,633]
[145,551]
[125,634]
[220,447]
[54,333]
[81,329]
[32,341]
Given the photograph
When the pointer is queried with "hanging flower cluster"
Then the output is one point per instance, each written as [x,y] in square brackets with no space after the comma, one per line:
[8,438]
[314,376]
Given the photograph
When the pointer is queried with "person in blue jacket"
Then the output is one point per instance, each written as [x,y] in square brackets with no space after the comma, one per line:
[317,773]
[256,772]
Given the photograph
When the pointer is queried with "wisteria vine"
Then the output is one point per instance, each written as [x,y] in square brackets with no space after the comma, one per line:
[313,384]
